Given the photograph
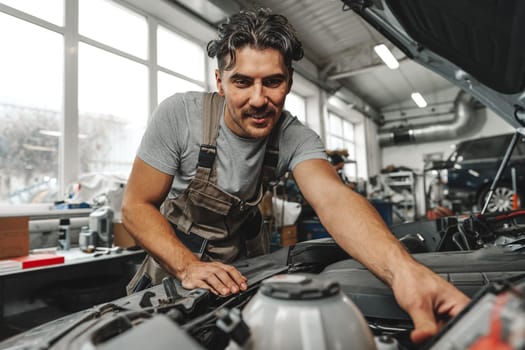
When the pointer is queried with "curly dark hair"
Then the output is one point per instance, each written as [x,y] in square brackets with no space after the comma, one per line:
[260,29]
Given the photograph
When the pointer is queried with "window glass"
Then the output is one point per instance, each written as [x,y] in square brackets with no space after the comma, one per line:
[114,25]
[341,137]
[296,105]
[335,125]
[350,147]
[335,143]
[113,107]
[348,130]
[180,55]
[30,105]
[48,10]
[491,147]
[169,84]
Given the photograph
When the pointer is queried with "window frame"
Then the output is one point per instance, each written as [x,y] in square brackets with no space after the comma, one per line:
[68,164]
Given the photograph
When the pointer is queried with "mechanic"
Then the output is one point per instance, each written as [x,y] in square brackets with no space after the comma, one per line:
[192,195]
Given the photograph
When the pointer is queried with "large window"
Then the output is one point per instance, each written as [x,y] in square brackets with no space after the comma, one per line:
[114,76]
[341,136]
[113,105]
[113,90]
[178,72]
[114,25]
[31,84]
[49,10]
[180,55]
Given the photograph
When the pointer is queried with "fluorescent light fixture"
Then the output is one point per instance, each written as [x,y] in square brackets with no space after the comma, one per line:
[386,55]
[419,100]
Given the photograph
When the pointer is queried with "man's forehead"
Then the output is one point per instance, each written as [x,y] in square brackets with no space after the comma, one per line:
[248,54]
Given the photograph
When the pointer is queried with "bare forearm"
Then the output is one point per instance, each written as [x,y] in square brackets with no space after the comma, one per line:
[358,228]
[155,234]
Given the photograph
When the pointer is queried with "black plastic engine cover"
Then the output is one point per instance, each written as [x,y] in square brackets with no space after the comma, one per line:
[469,271]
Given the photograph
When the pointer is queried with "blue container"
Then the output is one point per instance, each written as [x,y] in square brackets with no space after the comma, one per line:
[384,209]
[312,229]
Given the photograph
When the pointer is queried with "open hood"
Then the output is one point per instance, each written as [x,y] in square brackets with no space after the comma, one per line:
[477,45]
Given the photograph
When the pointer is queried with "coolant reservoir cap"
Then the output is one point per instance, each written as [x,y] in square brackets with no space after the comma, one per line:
[299,287]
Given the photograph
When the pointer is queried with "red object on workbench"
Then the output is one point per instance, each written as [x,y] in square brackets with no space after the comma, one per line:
[38,260]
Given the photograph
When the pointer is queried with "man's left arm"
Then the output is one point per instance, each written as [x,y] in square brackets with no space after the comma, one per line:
[357,227]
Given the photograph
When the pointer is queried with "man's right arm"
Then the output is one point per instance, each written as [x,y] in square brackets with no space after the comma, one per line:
[146,189]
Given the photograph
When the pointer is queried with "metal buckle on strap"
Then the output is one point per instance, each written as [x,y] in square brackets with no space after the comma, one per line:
[207,156]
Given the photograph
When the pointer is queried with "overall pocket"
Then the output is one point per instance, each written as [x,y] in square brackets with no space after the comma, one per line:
[150,273]
[208,212]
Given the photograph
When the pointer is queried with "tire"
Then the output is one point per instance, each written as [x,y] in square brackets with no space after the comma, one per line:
[501,200]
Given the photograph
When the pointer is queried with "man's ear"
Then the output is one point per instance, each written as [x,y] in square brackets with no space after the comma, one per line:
[218,81]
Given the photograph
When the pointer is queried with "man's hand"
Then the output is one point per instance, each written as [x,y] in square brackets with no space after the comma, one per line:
[428,299]
[220,279]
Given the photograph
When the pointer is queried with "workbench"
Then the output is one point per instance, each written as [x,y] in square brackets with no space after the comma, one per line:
[24,292]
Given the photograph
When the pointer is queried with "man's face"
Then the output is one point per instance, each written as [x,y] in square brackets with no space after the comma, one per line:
[255,90]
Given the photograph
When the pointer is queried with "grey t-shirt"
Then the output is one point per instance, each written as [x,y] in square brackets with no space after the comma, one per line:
[172,141]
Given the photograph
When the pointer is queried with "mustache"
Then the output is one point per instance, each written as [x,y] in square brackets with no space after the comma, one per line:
[259,111]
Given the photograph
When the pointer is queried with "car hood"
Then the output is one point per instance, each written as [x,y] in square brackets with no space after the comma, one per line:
[478,46]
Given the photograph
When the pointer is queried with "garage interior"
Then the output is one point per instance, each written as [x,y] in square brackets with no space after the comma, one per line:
[78,90]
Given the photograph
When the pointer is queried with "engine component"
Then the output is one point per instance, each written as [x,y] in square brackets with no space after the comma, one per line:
[304,312]
[231,322]
[495,319]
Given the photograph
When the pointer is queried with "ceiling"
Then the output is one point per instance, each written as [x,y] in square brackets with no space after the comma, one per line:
[341,45]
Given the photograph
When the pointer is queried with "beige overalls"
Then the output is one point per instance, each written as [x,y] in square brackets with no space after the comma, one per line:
[212,223]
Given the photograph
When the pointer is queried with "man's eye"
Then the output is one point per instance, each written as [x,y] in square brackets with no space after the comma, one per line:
[241,82]
[273,82]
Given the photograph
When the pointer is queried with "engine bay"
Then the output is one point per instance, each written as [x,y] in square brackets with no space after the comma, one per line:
[481,255]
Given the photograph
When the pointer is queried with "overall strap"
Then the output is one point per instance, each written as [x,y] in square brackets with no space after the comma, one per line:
[271,157]
[213,103]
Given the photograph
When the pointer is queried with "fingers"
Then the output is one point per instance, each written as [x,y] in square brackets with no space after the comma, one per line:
[220,279]
[425,325]
[430,301]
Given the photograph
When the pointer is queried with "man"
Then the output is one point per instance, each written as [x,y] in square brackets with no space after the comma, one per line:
[205,168]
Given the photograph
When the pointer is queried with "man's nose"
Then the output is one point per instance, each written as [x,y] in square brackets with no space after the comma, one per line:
[258,97]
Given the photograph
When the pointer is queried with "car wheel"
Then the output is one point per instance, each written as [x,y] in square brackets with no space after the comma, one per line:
[501,199]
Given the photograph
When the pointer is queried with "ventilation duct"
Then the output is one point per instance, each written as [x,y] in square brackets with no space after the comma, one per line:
[462,122]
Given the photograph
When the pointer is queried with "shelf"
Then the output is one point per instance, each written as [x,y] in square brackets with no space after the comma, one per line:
[402,183]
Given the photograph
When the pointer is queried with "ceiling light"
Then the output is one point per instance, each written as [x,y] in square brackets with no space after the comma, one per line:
[386,55]
[419,100]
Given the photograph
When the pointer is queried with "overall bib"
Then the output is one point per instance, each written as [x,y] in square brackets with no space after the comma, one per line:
[213,224]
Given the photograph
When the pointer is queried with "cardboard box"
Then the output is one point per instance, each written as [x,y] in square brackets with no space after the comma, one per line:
[288,235]
[121,236]
[14,236]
